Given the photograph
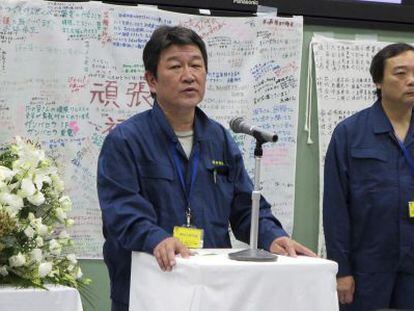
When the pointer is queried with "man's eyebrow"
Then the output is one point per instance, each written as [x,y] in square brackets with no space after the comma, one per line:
[172,58]
[400,67]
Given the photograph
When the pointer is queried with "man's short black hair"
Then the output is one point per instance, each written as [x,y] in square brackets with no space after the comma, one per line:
[378,62]
[165,36]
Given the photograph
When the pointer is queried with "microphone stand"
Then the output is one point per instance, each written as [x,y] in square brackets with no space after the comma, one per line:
[253,253]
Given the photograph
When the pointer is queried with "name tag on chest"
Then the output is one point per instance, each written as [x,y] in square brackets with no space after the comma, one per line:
[411,209]
[191,237]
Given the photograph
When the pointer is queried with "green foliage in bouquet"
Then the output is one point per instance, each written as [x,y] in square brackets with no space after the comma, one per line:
[33,221]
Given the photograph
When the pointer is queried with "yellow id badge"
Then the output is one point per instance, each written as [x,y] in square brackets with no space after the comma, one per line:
[191,237]
[411,209]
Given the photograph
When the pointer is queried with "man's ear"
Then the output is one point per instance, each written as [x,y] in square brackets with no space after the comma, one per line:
[151,80]
[378,85]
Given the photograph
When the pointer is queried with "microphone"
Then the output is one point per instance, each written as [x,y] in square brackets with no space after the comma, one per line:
[239,125]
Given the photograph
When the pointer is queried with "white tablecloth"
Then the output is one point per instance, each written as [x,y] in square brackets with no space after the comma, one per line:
[57,298]
[210,281]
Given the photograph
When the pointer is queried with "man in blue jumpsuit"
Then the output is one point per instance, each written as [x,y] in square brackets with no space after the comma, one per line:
[369,191]
[173,166]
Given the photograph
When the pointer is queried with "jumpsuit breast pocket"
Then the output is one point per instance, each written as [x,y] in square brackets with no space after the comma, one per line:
[158,187]
[370,169]
[155,178]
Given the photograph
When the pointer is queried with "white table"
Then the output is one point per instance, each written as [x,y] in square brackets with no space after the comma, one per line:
[210,281]
[56,298]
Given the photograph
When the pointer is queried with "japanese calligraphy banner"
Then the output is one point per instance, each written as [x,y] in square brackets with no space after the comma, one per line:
[70,72]
[344,86]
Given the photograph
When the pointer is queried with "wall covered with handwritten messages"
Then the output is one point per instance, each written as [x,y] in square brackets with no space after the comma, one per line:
[70,72]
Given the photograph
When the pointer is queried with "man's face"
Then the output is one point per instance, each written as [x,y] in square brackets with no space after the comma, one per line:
[397,86]
[181,78]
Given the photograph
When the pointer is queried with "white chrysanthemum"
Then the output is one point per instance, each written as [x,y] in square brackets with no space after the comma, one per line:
[29,232]
[13,186]
[79,273]
[5,173]
[47,168]
[65,203]
[3,271]
[37,199]
[11,200]
[39,241]
[29,156]
[27,188]
[42,229]
[33,220]
[63,235]
[36,255]
[58,183]
[60,214]
[17,260]
[41,176]
[54,247]
[37,224]
[72,258]
[69,222]
[22,166]
[3,186]
[45,268]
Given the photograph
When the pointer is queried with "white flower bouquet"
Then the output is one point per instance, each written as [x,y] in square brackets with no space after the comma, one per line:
[33,221]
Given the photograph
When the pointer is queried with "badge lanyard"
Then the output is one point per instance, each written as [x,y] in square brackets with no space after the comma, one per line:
[179,165]
[408,158]
[410,163]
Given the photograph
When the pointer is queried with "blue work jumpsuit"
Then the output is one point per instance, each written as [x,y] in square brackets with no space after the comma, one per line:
[141,197]
[367,189]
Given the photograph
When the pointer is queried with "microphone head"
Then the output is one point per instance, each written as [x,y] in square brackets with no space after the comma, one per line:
[235,124]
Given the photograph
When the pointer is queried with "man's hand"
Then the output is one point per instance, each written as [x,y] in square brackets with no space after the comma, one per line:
[346,288]
[288,247]
[166,250]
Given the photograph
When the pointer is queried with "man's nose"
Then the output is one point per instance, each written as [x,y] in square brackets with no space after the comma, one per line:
[411,78]
[188,75]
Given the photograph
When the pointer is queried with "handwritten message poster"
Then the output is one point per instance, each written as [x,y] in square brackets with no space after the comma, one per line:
[71,72]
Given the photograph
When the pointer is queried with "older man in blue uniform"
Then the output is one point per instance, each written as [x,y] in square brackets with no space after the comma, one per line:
[369,191]
[173,166]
